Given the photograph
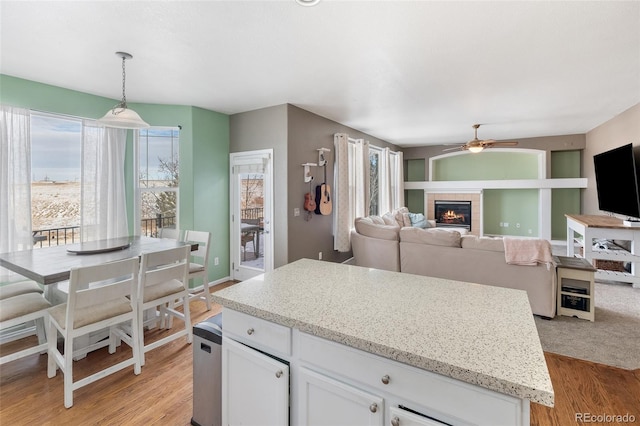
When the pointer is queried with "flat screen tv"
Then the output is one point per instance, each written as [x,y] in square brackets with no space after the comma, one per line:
[617,181]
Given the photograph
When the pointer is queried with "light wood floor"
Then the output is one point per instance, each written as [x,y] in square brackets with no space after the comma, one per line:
[162,393]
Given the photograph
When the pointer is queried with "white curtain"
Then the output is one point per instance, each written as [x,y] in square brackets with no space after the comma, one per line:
[396,172]
[360,179]
[15,179]
[385,194]
[341,205]
[351,187]
[103,198]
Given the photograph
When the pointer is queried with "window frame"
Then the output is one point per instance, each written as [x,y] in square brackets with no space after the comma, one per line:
[139,190]
[375,151]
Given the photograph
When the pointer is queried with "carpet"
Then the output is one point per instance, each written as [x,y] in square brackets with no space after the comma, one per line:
[613,339]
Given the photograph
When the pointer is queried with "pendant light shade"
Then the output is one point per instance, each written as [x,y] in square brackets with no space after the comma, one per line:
[121,116]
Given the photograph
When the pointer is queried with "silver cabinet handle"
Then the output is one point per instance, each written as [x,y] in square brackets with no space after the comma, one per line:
[395,421]
[279,373]
[386,379]
[250,331]
[373,407]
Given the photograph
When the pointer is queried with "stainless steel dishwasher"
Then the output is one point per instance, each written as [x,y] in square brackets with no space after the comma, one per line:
[207,372]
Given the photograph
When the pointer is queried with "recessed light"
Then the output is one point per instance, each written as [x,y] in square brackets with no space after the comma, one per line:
[307,2]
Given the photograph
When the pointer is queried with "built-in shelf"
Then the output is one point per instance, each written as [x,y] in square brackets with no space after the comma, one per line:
[498,184]
[545,187]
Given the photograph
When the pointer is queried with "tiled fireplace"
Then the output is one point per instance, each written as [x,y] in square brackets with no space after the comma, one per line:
[457,214]
[450,213]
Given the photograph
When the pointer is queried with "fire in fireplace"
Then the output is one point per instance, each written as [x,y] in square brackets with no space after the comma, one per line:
[453,214]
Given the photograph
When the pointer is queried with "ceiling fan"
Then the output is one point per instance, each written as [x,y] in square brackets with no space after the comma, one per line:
[477,145]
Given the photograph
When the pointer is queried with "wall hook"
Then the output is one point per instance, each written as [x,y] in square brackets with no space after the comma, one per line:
[321,160]
[307,171]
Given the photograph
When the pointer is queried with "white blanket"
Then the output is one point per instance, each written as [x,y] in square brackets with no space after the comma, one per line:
[527,251]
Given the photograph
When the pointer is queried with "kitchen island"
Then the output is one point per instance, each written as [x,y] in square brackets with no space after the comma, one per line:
[404,349]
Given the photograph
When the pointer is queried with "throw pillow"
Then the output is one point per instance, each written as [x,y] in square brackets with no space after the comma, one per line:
[398,213]
[418,220]
[406,220]
[389,219]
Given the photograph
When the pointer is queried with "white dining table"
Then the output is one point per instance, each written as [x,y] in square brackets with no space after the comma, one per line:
[51,265]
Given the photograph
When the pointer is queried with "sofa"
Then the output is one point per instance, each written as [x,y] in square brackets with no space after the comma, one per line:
[447,253]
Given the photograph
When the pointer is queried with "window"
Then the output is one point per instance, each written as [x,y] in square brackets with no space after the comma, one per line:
[374,180]
[158,179]
[367,181]
[385,182]
[56,157]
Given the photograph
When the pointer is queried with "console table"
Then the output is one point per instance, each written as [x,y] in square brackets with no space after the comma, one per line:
[582,230]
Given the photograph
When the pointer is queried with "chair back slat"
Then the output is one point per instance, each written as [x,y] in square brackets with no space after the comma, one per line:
[99,284]
[203,239]
[105,292]
[165,273]
[165,265]
[172,233]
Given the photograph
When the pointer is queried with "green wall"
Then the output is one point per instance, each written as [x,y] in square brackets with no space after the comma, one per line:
[486,166]
[500,206]
[564,164]
[516,207]
[204,154]
[414,172]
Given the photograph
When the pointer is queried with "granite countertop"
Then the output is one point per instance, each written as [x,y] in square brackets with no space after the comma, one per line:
[475,333]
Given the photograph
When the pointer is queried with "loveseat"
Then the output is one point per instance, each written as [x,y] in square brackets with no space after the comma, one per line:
[446,253]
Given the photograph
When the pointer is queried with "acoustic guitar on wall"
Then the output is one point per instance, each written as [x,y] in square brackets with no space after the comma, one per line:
[309,202]
[323,196]
[325,199]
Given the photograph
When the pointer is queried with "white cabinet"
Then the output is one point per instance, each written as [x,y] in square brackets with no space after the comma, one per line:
[255,387]
[335,384]
[325,401]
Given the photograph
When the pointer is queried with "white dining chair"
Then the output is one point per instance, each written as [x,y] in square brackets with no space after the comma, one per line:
[19,287]
[102,296]
[172,233]
[199,264]
[22,309]
[163,280]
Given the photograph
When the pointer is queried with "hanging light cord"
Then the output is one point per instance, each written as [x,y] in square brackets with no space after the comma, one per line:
[124,76]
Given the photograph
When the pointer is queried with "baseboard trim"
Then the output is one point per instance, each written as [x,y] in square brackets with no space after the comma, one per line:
[211,284]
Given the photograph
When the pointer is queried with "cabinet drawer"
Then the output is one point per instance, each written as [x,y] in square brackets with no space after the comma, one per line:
[256,332]
[431,392]
[400,417]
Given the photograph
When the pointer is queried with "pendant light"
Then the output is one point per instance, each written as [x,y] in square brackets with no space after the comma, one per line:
[120,116]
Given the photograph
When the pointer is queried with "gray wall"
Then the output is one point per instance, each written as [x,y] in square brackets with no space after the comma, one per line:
[307,132]
[620,130]
[264,129]
[295,135]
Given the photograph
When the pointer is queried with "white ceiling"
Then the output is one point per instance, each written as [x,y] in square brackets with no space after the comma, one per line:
[409,72]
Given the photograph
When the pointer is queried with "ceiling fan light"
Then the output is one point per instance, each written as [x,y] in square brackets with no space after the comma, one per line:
[476,149]
[123,118]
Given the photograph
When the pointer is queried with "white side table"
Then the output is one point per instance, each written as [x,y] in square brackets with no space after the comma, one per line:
[576,297]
